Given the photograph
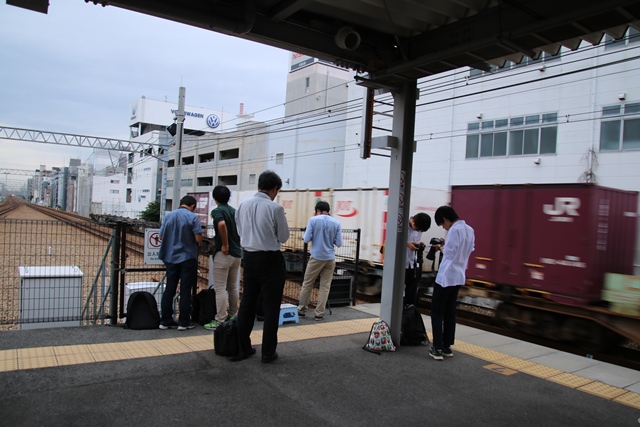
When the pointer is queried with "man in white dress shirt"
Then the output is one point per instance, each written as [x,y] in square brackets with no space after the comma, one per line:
[459,244]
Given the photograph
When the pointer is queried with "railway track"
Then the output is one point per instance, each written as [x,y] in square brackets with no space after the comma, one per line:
[135,239]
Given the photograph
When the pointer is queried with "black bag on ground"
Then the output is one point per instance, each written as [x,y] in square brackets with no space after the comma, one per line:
[225,339]
[204,307]
[142,311]
[412,331]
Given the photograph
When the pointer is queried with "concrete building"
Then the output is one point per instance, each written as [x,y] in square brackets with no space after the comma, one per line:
[306,147]
[566,118]
[146,172]
[108,194]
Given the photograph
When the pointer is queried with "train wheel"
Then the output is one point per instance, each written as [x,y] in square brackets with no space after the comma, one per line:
[508,316]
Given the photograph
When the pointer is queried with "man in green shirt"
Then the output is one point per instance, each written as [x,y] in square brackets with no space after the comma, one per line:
[226,259]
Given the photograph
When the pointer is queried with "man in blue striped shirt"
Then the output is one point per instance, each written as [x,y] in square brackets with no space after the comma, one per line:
[324,233]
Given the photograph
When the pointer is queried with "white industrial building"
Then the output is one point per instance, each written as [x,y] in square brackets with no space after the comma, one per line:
[308,143]
[572,117]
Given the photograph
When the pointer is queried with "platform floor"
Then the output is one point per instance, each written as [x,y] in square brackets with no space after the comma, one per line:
[104,374]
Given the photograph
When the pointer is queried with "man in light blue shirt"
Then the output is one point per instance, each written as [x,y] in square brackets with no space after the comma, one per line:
[457,248]
[324,233]
[181,233]
[262,226]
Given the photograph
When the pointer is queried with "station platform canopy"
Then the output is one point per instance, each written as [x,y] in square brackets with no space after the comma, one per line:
[393,41]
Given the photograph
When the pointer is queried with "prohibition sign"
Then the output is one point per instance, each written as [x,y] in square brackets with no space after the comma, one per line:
[154,240]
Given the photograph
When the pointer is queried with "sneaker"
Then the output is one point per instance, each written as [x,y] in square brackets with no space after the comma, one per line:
[213,325]
[318,318]
[168,325]
[231,318]
[436,353]
[191,325]
[446,352]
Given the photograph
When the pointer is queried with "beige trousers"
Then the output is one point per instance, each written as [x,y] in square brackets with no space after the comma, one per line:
[226,282]
[314,268]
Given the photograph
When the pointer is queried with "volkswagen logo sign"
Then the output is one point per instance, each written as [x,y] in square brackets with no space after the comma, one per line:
[213,121]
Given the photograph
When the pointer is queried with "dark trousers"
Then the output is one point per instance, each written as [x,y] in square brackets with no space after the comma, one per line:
[264,275]
[443,315]
[410,286]
[186,273]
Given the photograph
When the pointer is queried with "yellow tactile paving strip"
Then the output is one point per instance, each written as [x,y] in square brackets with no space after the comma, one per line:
[49,357]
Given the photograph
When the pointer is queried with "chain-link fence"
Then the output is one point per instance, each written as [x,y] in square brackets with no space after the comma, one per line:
[62,273]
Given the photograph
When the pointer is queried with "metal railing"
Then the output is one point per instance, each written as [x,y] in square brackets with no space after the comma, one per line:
[63,273]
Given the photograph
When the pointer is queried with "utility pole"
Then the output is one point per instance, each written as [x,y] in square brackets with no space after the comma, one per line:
[177,158]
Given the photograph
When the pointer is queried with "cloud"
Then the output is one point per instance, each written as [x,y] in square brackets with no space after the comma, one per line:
[78,69]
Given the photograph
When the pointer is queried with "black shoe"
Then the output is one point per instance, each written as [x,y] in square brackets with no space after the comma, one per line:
[300,314]
[243,355]
[446,352]
[269,359]
[260,318]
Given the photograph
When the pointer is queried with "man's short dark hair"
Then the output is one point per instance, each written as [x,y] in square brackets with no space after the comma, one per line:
[269,180]
[188,201]
[445,212]
[221,194]
[422,221]
[323,206]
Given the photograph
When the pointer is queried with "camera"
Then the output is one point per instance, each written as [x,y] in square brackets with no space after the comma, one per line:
[431,255]
[420,251]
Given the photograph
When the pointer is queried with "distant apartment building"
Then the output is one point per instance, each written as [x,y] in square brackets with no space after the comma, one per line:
[108,194]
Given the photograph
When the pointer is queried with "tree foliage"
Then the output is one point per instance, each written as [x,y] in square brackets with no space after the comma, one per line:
[152,212]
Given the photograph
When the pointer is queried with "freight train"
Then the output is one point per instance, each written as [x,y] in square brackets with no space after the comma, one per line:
[559,258]
[555,260]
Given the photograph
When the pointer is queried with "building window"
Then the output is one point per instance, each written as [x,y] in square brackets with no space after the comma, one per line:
[620,127]
[205,181]
[186,182]
[146,191]
[206,157]
[234,153]
[279,158]
[252,178]
[169,183]
[516,136]
[115,181]
[544,57]
[147,169]
[114,191]
[631,36]
[228,180]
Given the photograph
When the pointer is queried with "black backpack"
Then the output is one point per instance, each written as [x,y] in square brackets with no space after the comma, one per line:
[412,331]
[225,339]
[204,307]
[142,311]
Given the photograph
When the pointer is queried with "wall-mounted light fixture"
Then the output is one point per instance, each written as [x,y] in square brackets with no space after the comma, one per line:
[622,96]
[479,115]
[537,160]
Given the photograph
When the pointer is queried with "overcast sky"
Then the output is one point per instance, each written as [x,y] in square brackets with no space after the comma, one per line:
[78,69]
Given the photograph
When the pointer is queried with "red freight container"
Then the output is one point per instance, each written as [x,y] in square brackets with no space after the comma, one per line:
[556,238]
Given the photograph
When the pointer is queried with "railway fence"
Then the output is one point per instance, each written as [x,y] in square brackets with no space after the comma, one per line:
[72,273]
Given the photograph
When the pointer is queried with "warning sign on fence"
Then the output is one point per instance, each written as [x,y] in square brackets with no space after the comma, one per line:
[152,246]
